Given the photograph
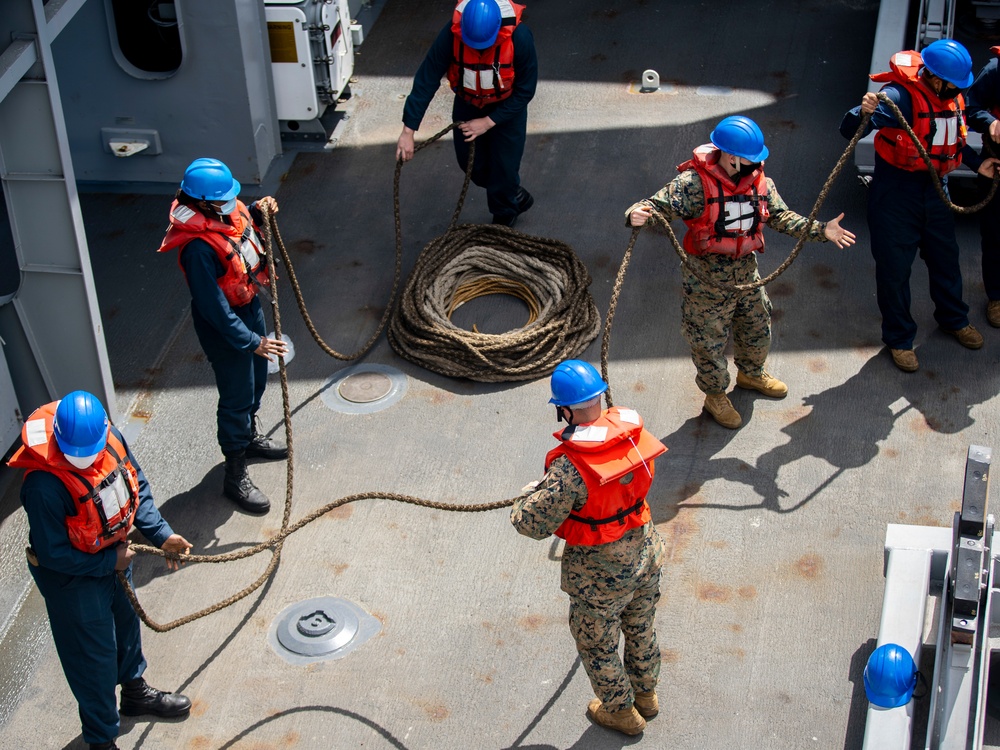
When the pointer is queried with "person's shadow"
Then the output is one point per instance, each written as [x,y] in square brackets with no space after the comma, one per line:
[848,426]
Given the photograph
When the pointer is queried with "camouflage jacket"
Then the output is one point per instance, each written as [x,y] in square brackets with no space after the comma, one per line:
[591,572]
[684,198]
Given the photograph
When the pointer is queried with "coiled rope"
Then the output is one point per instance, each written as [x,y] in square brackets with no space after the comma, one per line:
[472,261]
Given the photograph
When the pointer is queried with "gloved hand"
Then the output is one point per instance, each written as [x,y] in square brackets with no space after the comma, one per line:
[530,487]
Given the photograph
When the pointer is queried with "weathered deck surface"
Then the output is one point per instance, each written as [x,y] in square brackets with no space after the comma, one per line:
[773,585]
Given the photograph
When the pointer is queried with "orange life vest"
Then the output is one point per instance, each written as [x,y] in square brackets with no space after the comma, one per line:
[735,212]
[614,455]
[105,494]
[238,247]
[484,76]
[939,124]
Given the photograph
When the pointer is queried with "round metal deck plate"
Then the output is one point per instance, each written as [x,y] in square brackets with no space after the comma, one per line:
[365,387]
[315,628]
[319,629]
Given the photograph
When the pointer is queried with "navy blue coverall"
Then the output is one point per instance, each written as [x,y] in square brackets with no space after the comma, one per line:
[228,335]
[905,214]
[94,627]
[498,150]
[982,97]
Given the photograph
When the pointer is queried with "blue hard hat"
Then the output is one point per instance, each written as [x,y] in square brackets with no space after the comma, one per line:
[890,676]
[740,136]
[209,180]
[80,425]
[575,382]
[480,23]
[949,60]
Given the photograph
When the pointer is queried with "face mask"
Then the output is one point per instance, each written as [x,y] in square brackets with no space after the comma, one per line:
[748,169]
[948,92]
[82,462]
[227,208]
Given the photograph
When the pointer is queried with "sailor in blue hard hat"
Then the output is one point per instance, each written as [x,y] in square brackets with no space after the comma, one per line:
[724,198]
[488,56]
[593,496]
[906,215]
[83,492]
[221,251]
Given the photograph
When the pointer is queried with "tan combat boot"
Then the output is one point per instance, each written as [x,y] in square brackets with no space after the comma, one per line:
[968,337]
[905,359]
[647,704]
[766,384]
[721,409]
[627,720]
[993,312]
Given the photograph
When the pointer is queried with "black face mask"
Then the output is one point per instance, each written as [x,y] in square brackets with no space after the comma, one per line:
[748,169]
[948,92]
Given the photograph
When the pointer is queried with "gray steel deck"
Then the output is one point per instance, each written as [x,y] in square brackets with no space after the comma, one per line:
[772,588]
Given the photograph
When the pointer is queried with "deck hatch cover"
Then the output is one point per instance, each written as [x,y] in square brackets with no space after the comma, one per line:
[365,387]
[321,628]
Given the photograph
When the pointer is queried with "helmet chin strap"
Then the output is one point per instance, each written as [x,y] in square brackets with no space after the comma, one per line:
[564,413]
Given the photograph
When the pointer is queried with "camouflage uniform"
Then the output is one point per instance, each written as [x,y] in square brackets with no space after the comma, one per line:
[612,588]
[708,313]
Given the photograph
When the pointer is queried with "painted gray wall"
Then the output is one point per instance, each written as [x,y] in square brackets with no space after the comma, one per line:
[218,103]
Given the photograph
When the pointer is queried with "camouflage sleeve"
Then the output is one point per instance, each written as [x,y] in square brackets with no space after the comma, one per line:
[786,221]
[682,198]
[561,490]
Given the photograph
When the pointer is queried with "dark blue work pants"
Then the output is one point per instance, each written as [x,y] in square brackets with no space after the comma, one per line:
[498,157]
[240,376]
[905,214]
[96,633]
[989,231]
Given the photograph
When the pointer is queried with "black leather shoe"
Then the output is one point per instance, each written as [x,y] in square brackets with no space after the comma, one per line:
[238,485]
[103,745]
[139,698]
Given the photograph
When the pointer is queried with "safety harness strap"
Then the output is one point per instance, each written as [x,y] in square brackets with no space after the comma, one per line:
[620,516]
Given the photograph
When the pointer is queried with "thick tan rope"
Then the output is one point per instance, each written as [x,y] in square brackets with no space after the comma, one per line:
[271,226]
[275,543]
[472,261]
[467,288]
[564,318]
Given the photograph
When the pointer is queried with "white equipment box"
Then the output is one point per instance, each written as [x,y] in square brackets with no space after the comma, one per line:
[312,54]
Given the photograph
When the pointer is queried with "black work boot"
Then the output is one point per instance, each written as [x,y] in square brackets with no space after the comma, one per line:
[239,487]
[262,446]
[139,698]
[103,745]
